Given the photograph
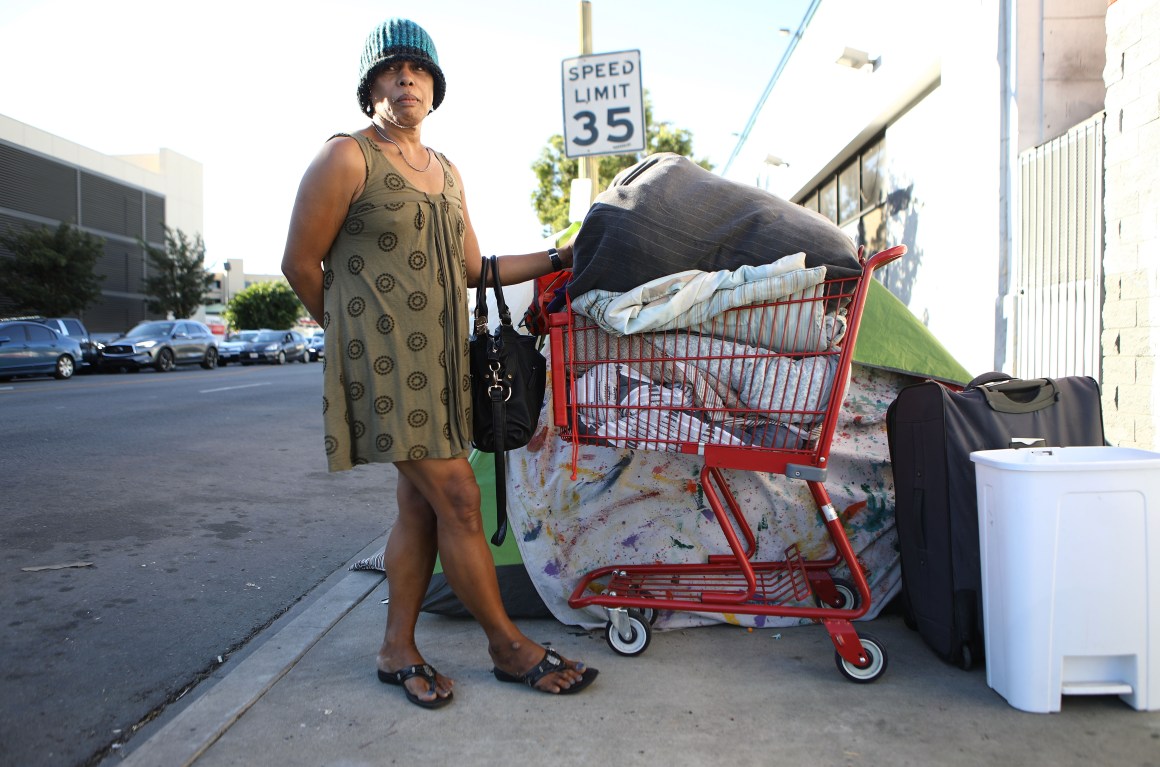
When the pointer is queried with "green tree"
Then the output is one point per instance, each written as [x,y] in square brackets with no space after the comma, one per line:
[555,171]
[264,305]
[177,280]
[51,272]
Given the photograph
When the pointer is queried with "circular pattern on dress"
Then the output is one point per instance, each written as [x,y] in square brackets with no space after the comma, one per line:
[388,241]
[417,341]
[417,418]
[395,207]
[417,301]
[444,395]
[385,324]
[356,349]
[443,318]
[394,182]
[384,404]
[420,219]
[417,453]
[443,359]
[385,283]
[417,381]
[440,278]
[356,264]
[354,225]
[465,383]
[331,445]
[328,279]
[325,405]
[325,320]
[384,365]
[356,306]
[358,429]
[447,432]
[417,260]
[384,443]
[356,391]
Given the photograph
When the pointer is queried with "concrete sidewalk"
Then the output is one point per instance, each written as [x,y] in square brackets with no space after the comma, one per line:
[306,694]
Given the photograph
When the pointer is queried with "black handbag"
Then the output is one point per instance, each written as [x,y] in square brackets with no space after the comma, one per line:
[508,375]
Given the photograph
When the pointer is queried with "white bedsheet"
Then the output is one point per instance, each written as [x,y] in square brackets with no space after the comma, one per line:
[642,506]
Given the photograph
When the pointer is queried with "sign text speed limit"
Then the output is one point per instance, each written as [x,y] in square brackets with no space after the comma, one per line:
[603,104]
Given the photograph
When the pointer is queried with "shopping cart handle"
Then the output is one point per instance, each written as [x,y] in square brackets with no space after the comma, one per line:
[884,257]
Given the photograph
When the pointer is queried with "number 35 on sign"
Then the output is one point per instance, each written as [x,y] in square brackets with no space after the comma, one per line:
[603,104]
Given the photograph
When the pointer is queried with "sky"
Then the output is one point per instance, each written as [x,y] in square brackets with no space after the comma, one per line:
[251,89]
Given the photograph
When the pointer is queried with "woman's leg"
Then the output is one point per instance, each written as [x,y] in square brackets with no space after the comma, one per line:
[409,560]
[450,489]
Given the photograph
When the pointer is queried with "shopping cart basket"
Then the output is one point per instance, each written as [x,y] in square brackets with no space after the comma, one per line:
[757,387]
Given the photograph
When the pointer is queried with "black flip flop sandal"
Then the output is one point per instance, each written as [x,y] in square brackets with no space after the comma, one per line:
[398,678]
[551,663]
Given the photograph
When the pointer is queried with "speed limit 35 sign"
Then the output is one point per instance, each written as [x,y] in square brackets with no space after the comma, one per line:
[603,104]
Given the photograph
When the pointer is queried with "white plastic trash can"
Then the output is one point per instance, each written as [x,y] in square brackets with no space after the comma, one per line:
[1069,541]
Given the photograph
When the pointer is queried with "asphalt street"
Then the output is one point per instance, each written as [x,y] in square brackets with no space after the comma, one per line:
[152,524]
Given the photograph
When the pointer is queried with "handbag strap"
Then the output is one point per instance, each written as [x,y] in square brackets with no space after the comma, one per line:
[499,414]
[489,268]
[481,297]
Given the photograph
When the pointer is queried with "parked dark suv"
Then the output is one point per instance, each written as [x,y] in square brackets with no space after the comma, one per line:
[162,345]
[276,346]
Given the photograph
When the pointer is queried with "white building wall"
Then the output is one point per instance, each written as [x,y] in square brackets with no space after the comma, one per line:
[937,87]
[1132,217]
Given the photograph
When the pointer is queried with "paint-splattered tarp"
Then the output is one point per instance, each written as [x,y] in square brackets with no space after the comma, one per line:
[639,507]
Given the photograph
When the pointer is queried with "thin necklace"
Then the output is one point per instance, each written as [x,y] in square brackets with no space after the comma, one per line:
[430,155]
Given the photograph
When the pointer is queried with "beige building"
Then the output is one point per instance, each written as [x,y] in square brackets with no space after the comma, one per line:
[45,179]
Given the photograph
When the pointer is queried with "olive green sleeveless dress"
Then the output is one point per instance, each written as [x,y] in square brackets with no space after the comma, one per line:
[396,383]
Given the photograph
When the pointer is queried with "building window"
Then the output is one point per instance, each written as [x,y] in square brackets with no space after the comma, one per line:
[852,197]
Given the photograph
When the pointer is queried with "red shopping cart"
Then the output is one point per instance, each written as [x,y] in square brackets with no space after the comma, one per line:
[756,387]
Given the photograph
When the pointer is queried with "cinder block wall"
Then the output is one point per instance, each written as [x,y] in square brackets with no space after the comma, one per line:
[1131,337]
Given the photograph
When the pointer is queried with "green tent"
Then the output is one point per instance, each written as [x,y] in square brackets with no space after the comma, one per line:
[892,338]
[520,597]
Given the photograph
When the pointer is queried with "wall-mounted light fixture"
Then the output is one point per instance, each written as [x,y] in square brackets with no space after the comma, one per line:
[775,161]
[856,59]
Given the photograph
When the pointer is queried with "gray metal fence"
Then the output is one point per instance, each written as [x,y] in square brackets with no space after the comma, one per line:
[1057,273]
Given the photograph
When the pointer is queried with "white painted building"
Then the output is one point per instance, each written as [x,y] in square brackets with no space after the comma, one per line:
[975,134]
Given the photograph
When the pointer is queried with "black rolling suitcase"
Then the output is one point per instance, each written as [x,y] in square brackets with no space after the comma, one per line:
[932,430]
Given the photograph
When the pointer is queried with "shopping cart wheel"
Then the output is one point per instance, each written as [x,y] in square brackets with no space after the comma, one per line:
[848,596]
[635,640]
[872,670]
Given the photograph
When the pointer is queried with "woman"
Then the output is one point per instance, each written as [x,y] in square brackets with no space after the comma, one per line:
[385,217]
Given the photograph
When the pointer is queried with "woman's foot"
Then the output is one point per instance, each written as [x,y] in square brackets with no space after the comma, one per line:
[551,673]
[423,685]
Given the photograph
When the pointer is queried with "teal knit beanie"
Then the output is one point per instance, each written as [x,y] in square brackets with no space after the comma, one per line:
[393,40]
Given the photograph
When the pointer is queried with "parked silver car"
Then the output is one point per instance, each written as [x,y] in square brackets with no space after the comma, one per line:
[29,348]
[162,345]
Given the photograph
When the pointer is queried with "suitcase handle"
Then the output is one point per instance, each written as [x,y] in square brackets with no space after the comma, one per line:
[987,378]
[1019,396]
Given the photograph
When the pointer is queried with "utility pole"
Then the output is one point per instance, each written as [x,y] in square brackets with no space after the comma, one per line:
[588,166]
